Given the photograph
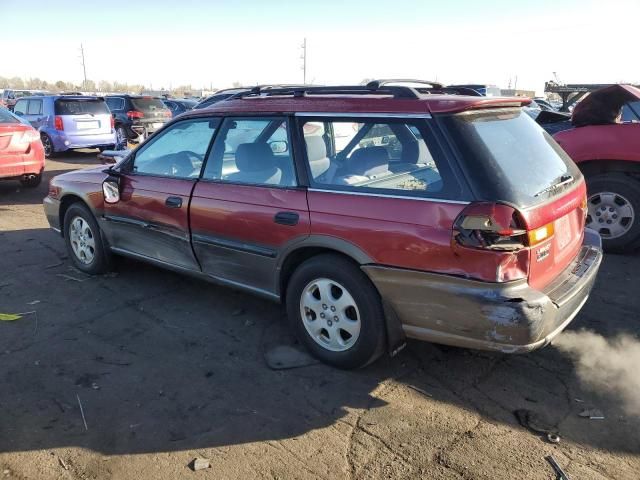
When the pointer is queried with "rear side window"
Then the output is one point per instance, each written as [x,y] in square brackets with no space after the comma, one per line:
[81,107]
[6,117]
[35,107]
[148,104]
[631,112]
[377,155]
[508,157]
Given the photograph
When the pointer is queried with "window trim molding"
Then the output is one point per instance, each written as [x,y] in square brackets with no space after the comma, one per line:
[391,195]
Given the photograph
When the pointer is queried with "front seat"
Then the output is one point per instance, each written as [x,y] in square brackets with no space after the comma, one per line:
[319,162]
[256,164]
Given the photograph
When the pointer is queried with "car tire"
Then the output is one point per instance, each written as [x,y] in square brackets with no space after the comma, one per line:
[87,250]
[32,182]
[47,144]
[121,138]
[614,210]
[330,289]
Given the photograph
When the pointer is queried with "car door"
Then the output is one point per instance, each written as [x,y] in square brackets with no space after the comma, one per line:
[248,206]
[35,113]
[151,219]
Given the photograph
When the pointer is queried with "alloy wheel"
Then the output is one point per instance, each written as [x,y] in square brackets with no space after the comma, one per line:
[610,214]
[46,143]
[82,240]
[330,314]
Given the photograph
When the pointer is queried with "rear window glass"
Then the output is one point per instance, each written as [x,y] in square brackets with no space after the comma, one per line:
[80,107]
[6,117]
[508,157]
[148,104]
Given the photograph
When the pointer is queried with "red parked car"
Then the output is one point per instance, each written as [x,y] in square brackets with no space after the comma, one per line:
[21,151]
[605,143]
[374,213]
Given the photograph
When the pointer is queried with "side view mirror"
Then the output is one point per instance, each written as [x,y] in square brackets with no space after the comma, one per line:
[111,188]
[279,146]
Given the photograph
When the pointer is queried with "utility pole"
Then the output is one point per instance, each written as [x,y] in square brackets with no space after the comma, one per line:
[303,57]
[84,68]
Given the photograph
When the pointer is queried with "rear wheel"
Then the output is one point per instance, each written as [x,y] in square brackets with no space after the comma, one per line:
[49,151]
[336,311]
[32,181]
[84,242]
[121,138]
[614,210]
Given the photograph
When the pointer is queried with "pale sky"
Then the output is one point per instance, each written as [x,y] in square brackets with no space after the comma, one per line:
[168,43]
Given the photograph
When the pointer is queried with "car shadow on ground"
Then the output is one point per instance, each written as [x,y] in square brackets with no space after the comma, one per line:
[160,362]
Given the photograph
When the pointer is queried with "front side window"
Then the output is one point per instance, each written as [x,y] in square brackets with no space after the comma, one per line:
[20,107]
[254,151]
[379,155]
[178,151]
[35,107]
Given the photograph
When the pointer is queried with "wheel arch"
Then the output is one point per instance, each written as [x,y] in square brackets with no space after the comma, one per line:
[65,202]
[317,245]
[300,251]
[590,168]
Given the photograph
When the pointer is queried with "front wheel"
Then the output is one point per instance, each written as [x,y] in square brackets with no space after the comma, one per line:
[614,210]
[84,242]
[336,312]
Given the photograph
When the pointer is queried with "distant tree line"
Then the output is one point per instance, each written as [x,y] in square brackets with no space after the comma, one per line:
[18,83]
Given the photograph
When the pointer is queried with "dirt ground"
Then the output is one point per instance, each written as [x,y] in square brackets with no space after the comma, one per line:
[168,369]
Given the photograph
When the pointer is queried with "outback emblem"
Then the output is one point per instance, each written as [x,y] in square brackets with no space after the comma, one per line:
[543,253]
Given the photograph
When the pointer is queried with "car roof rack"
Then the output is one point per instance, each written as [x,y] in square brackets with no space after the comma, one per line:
[374,87]
[302,91]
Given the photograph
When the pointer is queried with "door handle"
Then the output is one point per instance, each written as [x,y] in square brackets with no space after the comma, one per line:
[286,218]
[173,202]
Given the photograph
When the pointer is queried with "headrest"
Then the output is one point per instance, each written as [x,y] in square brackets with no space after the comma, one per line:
[316,148]
[366,161]
[254,157]
[317,154]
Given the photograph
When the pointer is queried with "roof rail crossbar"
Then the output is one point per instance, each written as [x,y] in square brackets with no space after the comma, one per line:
[376,84]
[394,91]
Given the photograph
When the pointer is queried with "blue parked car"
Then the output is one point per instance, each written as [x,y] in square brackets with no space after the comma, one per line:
[67,122]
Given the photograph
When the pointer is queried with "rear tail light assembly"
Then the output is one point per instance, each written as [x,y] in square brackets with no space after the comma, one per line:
[499,230]
[58,124]
[30,136]
[490,226]
[131,114]
[167,113]
[113,122]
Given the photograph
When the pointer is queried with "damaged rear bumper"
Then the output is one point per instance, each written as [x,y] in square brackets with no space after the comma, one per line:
[509,317]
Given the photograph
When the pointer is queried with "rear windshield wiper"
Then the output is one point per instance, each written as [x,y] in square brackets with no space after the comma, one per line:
[564,179]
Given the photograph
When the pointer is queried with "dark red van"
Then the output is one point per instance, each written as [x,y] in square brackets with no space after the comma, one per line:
[374,213]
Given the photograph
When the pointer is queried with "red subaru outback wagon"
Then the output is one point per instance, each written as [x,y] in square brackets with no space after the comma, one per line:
[374,213]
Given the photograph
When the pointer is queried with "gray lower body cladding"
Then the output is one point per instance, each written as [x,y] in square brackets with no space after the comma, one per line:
[510,317]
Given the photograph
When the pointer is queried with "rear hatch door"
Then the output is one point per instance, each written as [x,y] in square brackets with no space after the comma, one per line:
[155,112]
[508,158]
[84,116]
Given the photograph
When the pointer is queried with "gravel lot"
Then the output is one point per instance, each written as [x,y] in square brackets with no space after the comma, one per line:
[167,369]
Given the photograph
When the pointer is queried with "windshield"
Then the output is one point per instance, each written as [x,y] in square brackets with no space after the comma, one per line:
[145,104]
[81,107]
[509,157]
[6,117]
